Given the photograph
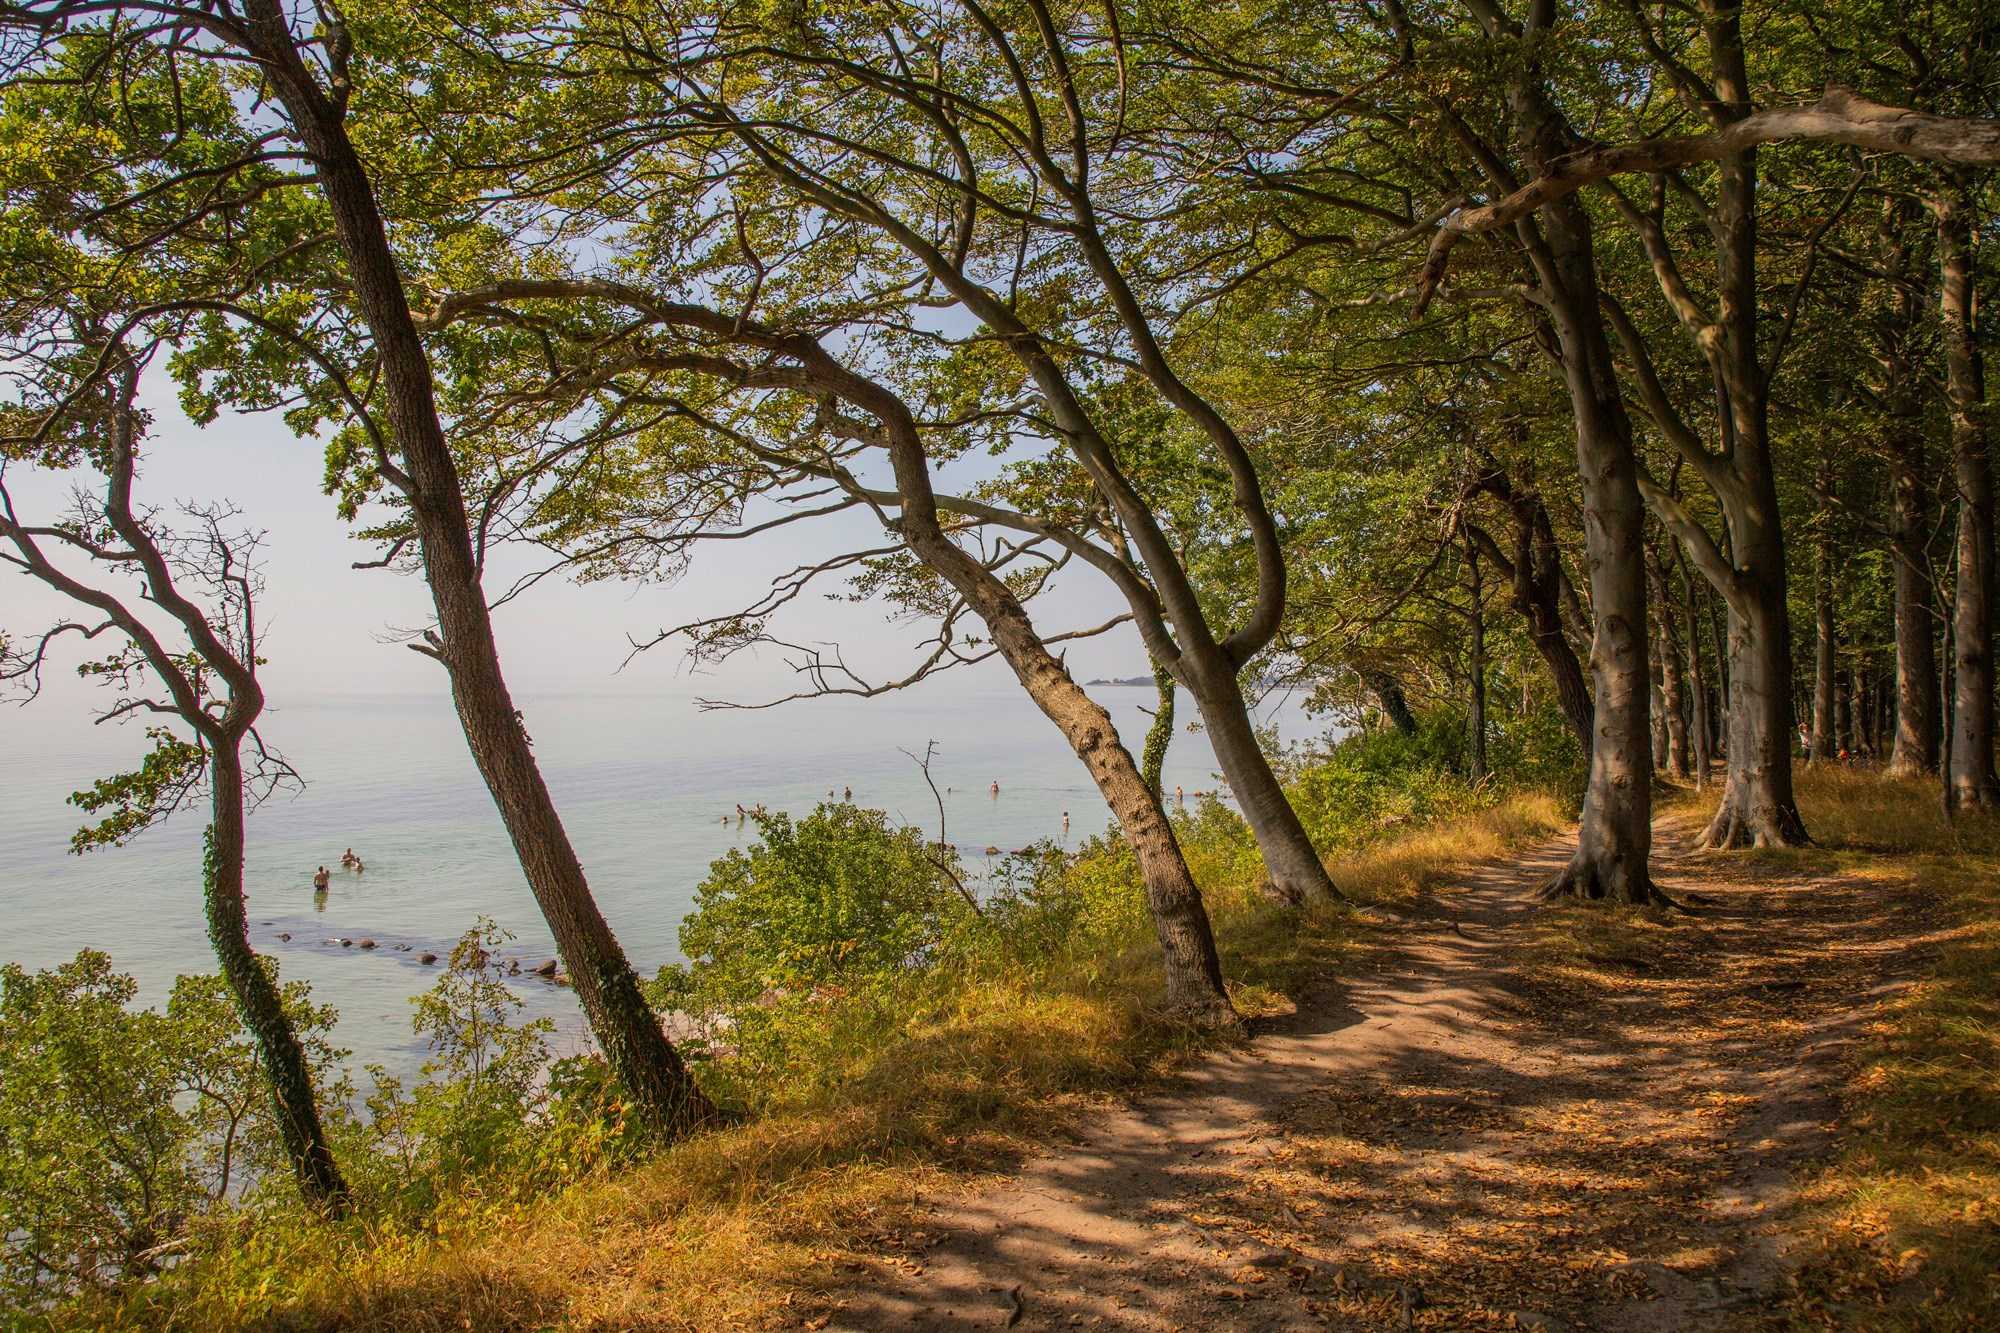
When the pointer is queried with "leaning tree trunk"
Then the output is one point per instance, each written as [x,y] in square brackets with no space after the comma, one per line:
[1193,969]
[664,1096]
[1971,781]
[294,1100]
[1297,873]
[1395,705]
[1161,734]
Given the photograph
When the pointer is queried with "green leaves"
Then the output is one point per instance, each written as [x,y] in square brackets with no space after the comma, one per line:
[166,779]
[119,1127]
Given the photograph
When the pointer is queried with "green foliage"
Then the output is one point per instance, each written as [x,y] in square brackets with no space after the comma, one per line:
[121,1128]
[837,898]
[1374,783]
[165,779]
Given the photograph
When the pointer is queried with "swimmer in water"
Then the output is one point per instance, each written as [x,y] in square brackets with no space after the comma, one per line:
[996,789]
[1180,797]
[1065,821]
[321,878]
[348,858]
[847,793]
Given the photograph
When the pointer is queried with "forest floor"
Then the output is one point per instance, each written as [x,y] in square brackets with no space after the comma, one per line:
[1500,1116]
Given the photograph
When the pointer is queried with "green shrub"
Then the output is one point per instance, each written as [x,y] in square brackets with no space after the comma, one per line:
[120,1128]
[839,898]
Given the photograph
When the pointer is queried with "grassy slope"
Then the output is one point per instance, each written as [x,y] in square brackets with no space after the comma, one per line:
[731,1229]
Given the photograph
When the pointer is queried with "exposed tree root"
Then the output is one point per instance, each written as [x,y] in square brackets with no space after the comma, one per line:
[1585,880]
[1734,828]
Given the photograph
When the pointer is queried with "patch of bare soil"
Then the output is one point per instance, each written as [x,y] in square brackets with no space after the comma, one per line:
[1465,1135]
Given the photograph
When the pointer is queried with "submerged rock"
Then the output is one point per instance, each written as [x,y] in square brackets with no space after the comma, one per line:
[427,958]
[368,944]
[547,969]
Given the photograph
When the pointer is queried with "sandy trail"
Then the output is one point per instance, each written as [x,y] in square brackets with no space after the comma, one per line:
[1449,1139]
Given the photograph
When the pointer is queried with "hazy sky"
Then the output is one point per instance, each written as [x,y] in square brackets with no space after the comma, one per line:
[327,624]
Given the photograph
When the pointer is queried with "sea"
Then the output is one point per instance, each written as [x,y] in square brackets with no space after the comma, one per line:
[648,784]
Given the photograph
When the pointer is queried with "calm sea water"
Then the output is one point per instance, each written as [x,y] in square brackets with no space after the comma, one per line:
[644,783]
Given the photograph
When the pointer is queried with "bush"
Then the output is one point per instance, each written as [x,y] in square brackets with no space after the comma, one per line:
[120,1128]
[840,898]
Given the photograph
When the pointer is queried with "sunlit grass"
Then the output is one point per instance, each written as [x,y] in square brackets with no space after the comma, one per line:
[1906,1220]
[744,1226]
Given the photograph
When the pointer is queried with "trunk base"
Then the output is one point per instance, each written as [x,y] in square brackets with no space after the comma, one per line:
[1734,828]
[1205,1013]
[1586,879]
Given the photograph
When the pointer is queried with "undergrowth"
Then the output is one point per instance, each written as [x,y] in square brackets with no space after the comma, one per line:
[855,1096]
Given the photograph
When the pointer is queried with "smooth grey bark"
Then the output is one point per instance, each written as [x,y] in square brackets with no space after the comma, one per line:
[1970,781]
[1194,984]
[1615,836]
[1823,742]
[1913,749]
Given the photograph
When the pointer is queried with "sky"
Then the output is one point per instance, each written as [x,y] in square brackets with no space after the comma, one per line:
[333,630]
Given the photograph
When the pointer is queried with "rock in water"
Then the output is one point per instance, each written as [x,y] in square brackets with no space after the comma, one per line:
[427,958]
[547,969]
[368,944]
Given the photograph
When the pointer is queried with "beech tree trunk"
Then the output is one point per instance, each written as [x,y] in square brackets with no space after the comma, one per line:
[1194,985]
[1823,746]
[1702,733]
[1395,705]
[663,1093]
[1297,873]
[1539,585]
[1915,747]
[1672,702]
[1657,703]
[294,1100]
[1475,712]
[1615,836]
[1971,782]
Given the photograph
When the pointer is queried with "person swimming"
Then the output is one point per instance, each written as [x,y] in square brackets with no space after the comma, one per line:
[1065,821]
[358,867]
[321,878]
[348,858]
[996,787]
[847,793]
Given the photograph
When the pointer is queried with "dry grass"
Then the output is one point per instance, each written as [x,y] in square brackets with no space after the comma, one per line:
[742,1227]
[1905,1222]
[1396,871]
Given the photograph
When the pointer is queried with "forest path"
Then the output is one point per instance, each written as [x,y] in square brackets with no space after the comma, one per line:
[1461,1134]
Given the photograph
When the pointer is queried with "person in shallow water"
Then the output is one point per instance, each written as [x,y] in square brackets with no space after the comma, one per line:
[321,878]
[348,858]
[996,786]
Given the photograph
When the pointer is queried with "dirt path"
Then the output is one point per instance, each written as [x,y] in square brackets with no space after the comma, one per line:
[1460,1136]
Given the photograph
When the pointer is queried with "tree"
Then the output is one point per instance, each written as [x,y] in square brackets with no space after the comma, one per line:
[1021,228]
[314,83]
[83,409]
